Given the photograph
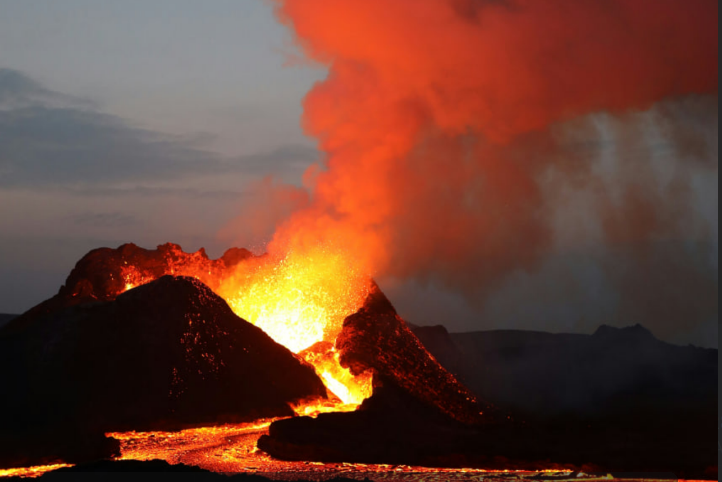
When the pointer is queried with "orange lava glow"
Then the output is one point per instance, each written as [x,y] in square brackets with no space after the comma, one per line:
[299,301]
[232,449]
[132,277]
[35,471]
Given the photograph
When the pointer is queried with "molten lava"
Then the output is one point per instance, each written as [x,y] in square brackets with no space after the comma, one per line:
[298,300]
[352,390]
[29,472]
[132,277]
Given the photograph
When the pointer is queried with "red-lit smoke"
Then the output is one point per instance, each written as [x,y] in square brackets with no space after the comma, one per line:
[434,118]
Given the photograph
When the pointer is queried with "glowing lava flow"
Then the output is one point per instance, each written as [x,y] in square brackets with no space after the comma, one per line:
[231,449]
[28,472]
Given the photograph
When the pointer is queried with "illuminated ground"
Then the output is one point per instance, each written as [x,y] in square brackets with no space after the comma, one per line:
[232,449]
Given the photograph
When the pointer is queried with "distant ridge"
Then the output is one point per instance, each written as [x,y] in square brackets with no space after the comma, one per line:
[636,332]
[548,374]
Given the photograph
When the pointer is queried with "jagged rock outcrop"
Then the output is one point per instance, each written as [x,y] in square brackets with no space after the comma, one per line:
[376,338]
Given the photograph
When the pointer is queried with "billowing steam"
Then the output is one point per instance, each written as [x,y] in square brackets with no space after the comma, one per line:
[444,127]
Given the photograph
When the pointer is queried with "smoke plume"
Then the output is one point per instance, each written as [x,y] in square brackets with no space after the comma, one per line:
[439,120]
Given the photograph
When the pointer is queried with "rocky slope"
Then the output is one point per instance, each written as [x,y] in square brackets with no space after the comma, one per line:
[165,355]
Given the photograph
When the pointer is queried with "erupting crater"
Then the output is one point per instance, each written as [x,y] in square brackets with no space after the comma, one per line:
[174,348]
[299,300]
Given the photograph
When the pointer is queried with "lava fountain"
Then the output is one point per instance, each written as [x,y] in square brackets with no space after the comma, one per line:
[299,298]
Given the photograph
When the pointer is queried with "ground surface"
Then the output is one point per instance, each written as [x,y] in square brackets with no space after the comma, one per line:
[231,449]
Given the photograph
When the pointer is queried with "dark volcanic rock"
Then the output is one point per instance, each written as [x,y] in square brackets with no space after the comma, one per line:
[165,355]
[418,414]
[392,426]
[104,273]
[377,338]
[6,318]
[38,446]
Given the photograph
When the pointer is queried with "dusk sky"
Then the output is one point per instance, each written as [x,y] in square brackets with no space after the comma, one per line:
[154,122]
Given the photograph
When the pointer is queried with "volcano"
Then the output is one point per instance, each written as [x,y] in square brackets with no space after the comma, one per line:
[138,339]
[159,340]
[372,339]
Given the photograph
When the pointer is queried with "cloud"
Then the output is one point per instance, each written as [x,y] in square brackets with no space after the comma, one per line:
[51,139]
[45,145]
[18,90]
